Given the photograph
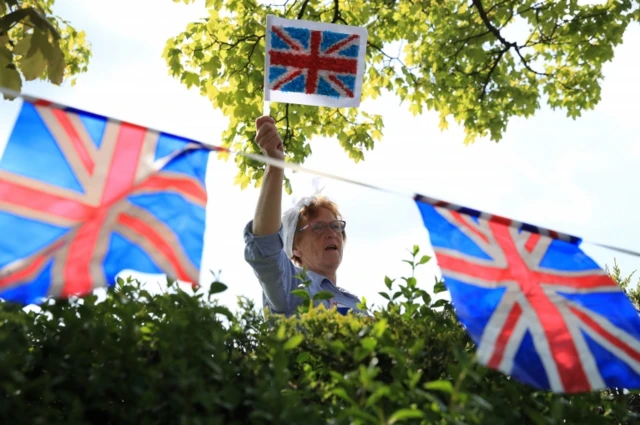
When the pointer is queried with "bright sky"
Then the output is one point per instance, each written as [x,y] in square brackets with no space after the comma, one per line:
[576,176]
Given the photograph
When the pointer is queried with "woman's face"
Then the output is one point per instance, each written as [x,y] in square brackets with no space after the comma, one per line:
[319,251]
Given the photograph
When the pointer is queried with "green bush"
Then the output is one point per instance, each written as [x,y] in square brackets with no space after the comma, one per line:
[181,358]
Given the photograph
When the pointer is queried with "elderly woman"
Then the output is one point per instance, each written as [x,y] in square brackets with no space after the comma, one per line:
[311,235]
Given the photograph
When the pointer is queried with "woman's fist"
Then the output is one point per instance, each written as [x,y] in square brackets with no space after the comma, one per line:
[268,138]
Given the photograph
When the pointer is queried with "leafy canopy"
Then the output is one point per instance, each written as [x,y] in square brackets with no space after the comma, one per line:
[36,45]
[453,56]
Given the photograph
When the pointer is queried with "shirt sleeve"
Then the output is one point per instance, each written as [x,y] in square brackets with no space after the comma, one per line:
[274,270]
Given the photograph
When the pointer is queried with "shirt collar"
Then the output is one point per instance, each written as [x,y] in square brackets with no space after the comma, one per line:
[320,279]
[317,277]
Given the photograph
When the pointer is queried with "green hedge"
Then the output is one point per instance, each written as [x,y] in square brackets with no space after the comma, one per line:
[181,358]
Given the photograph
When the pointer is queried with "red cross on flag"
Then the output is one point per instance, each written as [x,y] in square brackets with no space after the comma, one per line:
[314,63]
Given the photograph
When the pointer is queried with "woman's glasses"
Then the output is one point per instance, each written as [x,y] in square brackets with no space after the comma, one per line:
[322,226]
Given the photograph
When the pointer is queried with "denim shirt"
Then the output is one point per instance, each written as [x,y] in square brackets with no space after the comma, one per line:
[277,275]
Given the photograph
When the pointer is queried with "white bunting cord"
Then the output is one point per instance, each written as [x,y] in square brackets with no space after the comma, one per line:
[296,167]
[13,93]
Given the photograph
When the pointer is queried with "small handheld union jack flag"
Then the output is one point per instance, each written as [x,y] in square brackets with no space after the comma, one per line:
[538,308]
[83,197]
[314,63]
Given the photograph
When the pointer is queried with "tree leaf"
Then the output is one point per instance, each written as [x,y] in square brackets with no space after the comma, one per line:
[403,414]
[411,282]
[441,385]
[439,287]
[6,57]
[45,42]
[293,342]
[219,309]
[440,303]
[217,287]
[303,357]
[369,343]
[388,282]
[323,295]
[342,393]
[10,78]
[190,79]
[33,66]
[302,293]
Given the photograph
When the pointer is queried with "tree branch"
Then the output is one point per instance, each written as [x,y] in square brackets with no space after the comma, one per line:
[464,44]
[537,7]
[336,11]
[246,65]
[507,45]
[391,58]
[288,132]
[485,19]
[227,44]
[526,64]
[304,6]
[498,5]
[10,19]
[487,80]
[471,37]
[286,11]
[345,118]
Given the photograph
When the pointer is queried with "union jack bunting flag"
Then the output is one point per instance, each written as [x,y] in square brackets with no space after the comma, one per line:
[83,197]
[536,306]
[314,63]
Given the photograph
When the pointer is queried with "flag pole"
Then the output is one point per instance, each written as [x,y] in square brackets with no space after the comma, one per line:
[266,109]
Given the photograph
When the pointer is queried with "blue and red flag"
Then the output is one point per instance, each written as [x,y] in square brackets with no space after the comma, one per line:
[83,197]
[537,307]
[314,63]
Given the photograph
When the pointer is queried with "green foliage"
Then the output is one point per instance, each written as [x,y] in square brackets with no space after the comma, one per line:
[453,56]
[181,357]
[633,292]
[36,45]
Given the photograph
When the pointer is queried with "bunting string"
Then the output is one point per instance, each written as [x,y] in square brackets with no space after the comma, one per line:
[404,194]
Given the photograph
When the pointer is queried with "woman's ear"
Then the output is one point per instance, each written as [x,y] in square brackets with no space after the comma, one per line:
[296,252]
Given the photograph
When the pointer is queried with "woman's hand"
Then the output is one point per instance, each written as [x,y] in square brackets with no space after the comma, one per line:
[268,138]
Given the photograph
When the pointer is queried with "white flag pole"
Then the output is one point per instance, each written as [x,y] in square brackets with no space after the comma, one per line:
[266,110]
